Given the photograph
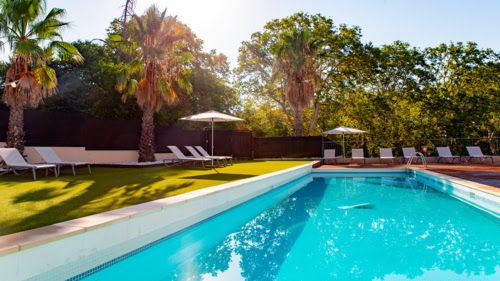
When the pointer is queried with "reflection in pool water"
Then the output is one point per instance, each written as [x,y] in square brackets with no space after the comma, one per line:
[410,233]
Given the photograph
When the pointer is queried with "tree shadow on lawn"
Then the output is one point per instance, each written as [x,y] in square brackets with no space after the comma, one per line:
[102,194]
[37,195]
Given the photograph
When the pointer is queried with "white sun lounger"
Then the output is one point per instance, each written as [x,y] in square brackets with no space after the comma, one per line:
[476,152]
[15,161]
[329,154]
[196,154]
[358,154]
[204,153]
[178,153]
[49,156]
[386,154]
[408,152]
[444,152]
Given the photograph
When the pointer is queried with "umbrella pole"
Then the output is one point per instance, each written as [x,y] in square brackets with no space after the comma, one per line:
[212,142]
[343,146]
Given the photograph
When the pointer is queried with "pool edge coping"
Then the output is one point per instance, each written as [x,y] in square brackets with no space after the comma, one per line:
[19,241]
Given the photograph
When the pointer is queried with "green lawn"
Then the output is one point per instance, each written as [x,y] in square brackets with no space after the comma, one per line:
[27,204]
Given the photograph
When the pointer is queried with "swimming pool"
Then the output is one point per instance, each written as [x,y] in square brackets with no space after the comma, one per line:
[403,229]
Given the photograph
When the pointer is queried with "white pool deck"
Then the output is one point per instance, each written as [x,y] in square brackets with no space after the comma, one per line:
[62,250]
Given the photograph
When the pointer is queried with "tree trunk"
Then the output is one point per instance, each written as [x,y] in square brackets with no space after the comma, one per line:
[298,122]
[146,143]
[15,133]
[314,118]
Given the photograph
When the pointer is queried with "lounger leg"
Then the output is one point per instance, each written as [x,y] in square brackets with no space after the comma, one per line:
[73,169]
[90,171]
[34,173]
[56,172]
[47,172]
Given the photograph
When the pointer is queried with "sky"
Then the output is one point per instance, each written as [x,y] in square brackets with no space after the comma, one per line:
[224,24]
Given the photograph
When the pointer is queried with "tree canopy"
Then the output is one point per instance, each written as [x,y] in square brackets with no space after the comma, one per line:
[396,92]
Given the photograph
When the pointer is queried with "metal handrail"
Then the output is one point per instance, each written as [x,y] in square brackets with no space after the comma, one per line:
[415,155]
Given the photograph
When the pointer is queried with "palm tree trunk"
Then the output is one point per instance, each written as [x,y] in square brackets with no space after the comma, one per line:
[15,133]
[146,143]
[313,119]
[298,122]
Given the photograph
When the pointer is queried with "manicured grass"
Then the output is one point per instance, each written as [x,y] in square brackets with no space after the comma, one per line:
[27,204]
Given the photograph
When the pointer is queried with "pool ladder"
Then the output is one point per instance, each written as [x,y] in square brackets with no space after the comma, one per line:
[417,155]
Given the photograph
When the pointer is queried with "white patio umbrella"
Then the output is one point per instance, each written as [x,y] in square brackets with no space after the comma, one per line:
[211,116]
[343,131]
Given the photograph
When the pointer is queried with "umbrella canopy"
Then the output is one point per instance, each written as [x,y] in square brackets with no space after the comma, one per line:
[211,116]
[343,131]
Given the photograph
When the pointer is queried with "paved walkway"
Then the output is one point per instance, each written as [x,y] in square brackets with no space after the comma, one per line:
[484,174]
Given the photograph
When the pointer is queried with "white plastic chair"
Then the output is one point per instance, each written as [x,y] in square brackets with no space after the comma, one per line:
[49,156]
[15,161]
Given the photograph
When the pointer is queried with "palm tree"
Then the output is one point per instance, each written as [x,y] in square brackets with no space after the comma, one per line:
[296,64]
[34,39]
[154,48]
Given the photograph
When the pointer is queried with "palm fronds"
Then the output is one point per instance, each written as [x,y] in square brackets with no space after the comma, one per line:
[296,64]
[153,48]
[35,39]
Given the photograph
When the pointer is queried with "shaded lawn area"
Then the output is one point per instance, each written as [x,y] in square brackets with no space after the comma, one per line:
[27,204]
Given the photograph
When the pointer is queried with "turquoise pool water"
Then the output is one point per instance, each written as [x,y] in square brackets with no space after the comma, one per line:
[298,232]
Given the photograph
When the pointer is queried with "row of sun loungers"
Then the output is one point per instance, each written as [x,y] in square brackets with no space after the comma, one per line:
[408,152]
[14,162]
[200,155]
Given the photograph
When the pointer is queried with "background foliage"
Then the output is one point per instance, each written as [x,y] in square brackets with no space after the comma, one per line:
[395,92]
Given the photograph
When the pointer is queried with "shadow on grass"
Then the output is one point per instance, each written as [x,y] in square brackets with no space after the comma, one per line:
[68,197]
[220,177]
[105,191]
[154,194]
[37,195]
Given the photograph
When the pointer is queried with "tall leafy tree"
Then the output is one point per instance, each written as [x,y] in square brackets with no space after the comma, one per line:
[35,40]
[340,59]
[155,48]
